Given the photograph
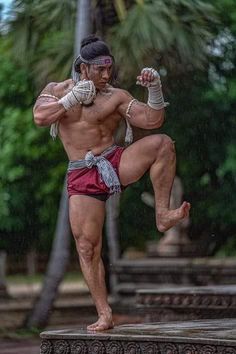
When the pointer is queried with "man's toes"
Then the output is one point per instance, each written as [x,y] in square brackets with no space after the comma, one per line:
[91,327]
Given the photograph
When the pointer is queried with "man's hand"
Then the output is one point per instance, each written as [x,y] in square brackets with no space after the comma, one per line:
[148,77]
[84,92]
[151,79]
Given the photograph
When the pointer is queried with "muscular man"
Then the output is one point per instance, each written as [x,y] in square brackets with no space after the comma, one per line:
[85,112]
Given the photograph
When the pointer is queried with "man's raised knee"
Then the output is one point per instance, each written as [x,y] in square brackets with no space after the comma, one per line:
[167,144]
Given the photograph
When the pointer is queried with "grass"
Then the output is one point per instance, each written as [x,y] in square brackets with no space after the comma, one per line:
[20,333]
[38,278]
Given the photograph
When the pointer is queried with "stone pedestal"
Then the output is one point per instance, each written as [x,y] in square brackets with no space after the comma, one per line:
[196,337]
[186,303]
[175,242]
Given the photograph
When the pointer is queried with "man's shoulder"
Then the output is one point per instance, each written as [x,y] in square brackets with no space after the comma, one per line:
[58,89]
[122,94]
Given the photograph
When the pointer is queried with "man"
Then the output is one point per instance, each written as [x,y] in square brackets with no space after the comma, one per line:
[86,112]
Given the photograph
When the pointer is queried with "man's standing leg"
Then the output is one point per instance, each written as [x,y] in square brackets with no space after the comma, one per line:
[87,218]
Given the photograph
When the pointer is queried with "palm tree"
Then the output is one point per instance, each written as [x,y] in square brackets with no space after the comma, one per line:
[175,34]
[167,33]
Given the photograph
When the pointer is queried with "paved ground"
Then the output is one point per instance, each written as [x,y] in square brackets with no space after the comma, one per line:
[32,346]
[22,296]
[24,346]
[72,308]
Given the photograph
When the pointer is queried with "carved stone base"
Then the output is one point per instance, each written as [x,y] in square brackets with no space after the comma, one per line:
[187,303]
[197,337]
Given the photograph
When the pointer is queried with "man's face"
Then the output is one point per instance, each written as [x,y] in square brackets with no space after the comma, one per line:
[99,74]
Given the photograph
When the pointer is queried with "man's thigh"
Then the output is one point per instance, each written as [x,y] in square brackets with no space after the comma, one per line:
[138,157]
[86,217]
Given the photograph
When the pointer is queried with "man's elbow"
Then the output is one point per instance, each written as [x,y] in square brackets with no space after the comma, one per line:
[158,122]
[39,119]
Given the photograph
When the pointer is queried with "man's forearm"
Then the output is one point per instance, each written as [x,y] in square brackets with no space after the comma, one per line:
[154,118]
[46,113]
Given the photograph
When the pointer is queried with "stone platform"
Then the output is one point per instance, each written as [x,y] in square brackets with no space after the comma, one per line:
[187,337]
[148,272]
[187,303]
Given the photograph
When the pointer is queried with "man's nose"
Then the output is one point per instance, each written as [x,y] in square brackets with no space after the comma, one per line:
[105,74]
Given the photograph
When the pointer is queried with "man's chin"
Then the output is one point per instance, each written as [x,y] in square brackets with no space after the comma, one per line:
[101,86]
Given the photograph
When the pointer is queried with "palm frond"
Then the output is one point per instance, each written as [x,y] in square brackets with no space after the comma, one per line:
[180,27]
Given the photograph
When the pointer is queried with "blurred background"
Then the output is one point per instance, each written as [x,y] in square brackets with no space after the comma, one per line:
[192,45]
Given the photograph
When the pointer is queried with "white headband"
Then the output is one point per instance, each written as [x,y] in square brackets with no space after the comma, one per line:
[101,60]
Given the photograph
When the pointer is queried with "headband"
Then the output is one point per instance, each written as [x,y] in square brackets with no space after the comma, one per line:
[100,60]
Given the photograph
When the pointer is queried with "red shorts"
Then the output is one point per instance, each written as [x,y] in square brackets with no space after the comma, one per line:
[87,181]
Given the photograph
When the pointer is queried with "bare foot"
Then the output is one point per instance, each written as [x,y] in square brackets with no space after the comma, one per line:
[170,218]
[103,323]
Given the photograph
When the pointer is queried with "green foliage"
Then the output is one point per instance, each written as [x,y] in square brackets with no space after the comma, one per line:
[26,184]
[177,32]
[39,27]
[137,221]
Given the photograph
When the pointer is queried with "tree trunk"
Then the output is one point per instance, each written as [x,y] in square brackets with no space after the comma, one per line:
[83,23]
[56,267]
[3,287]
[61,246]
[31,262]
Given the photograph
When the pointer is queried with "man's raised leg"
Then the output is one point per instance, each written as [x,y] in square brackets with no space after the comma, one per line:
[157,153]
[87,218]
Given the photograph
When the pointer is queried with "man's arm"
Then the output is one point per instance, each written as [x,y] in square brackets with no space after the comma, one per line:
[47,109]
[139,114]
[55,100]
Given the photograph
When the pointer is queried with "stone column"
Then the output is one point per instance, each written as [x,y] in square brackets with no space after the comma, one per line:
[175,241]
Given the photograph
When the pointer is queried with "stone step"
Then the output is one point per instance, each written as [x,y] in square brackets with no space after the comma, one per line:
[132,274]
[182,303]
[185,337]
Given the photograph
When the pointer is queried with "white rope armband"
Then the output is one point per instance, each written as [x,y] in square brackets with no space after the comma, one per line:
[129,132]
[48,96]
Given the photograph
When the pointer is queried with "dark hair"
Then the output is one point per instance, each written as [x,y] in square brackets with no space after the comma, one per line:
[90,48]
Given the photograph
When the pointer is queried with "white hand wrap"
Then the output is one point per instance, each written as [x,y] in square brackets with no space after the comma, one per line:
[84,92]
[155,95]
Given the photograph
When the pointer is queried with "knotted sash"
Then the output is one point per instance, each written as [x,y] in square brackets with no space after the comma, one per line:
[106,171]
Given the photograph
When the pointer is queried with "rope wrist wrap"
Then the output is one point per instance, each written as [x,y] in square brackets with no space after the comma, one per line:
[84,92]
[155,95]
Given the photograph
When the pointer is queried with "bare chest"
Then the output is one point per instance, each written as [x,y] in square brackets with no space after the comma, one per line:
[102,111]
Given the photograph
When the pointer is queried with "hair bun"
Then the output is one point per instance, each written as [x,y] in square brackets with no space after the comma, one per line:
[89,39]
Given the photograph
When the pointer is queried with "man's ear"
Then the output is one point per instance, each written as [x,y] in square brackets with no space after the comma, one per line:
[84,71]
